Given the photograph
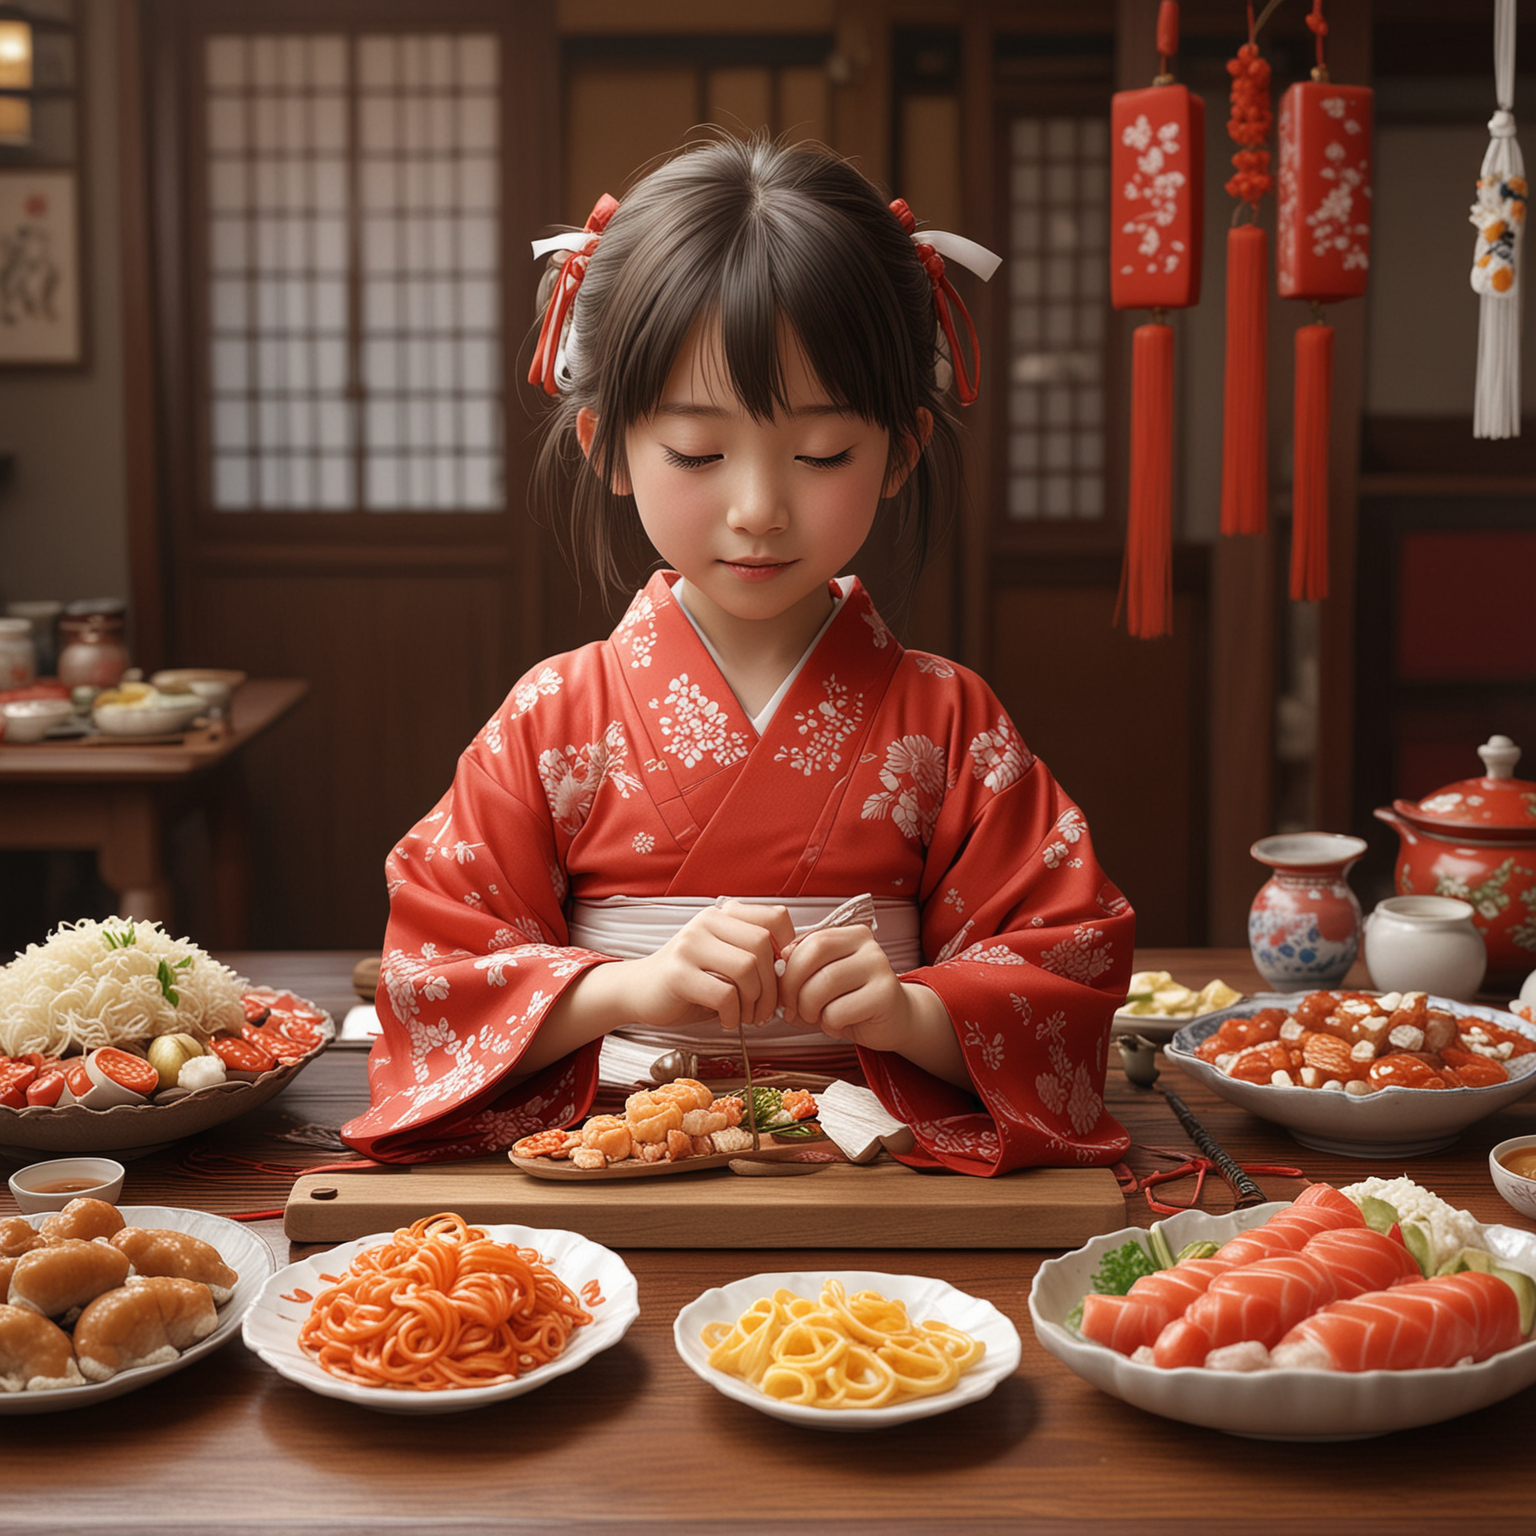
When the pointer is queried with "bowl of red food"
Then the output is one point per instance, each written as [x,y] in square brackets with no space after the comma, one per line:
[1363,1074]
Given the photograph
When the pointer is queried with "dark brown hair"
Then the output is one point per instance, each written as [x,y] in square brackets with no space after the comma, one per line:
[752,235]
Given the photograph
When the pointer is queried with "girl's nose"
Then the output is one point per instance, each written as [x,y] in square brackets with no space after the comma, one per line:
[758,505]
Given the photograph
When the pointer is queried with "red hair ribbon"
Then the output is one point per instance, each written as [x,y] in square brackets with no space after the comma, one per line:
[945,302]
[546,354]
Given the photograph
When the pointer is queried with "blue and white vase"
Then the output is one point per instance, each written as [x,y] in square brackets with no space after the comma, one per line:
[1304,925]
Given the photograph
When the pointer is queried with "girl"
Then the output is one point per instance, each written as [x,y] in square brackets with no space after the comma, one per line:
[644,836]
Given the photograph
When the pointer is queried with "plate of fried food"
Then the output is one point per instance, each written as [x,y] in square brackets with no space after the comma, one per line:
[847,1349]
[1156,1005]
[678,1127]
[102,1300]
[455,1316]
[1377,1075]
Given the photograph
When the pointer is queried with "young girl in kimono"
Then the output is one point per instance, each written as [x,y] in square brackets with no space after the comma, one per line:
[749,358]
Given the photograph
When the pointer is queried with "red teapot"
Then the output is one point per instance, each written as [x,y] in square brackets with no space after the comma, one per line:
[1476,840]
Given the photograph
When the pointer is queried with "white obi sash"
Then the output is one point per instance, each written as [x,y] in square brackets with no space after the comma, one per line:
[630,927]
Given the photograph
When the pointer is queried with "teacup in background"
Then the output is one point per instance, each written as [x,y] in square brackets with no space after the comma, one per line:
[1425,944]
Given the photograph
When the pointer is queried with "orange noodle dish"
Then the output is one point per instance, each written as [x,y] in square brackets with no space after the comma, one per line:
[840,1351]
[441,1306]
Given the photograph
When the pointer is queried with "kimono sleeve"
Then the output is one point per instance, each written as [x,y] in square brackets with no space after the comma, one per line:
[1032,951]
[474,956]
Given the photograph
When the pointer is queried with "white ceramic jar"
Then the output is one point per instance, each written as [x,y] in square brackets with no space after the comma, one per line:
[18,658]
[1425,944]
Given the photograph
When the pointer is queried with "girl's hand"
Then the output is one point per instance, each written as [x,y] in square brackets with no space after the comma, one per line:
[840,980]
[720,963]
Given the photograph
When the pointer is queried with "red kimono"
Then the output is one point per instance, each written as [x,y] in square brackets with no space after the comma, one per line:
[628,767]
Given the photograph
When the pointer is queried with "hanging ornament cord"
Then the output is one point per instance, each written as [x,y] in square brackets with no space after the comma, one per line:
[1313,410]
[1499,215]
[1244,435]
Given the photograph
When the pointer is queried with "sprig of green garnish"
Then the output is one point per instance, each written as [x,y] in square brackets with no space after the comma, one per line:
[167,980]
[119,940]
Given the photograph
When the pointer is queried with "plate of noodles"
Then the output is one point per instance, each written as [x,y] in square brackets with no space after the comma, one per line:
[554,1299]
[124,984]
[798,1346]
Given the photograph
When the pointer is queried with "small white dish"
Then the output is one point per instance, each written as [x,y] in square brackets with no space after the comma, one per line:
[925,1298]
[1390,1123]
[1517,1190]
[1160,1027]
[239,1247]
[147,719]
[272,1325]
[31,719]
[1277,1404]
[43,1187]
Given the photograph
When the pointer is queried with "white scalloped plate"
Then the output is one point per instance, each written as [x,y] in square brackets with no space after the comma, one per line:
[240,1248]
[272,1324]
[1278,1404]
[926,1299]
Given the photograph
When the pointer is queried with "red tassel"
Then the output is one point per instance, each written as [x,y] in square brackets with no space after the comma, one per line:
[1244,440]
[1146,579]
[1309,494]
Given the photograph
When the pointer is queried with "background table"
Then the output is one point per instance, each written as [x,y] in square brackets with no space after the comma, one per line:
[119,797]
[635,1442]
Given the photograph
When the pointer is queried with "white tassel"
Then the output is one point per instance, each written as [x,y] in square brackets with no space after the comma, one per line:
[1499,215]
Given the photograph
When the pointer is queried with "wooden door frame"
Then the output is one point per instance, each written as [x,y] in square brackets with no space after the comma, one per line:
[170,532]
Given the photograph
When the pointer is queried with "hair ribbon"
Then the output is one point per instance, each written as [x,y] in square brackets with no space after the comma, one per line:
[550,354]
[932,247]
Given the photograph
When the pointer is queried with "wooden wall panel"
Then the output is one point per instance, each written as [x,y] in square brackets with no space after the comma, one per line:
[1120,724]
[615,121]
[803,105]
[740,100]
[320,829]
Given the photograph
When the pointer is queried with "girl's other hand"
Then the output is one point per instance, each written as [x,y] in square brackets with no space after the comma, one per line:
[840,980]
[720,963]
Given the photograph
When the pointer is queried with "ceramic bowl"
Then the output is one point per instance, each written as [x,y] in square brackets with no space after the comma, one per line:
[1392,1122]
[37,1187]
[32,719]
[1517,1190]
[147,719]
[192,677]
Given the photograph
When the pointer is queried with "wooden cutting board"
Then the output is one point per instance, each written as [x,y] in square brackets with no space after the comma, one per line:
[875,1205]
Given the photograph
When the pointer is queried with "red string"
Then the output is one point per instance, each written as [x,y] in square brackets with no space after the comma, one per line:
[1196,1166]
[1319,29]
[563,295]
[946,303]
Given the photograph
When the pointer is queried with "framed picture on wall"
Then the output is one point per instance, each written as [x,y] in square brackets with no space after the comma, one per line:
[39,268]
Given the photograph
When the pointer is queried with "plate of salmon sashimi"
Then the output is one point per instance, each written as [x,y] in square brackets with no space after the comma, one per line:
[1333,1317]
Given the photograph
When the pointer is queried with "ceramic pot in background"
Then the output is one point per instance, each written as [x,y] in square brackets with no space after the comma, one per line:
[1425,944]
[1304,925]
[1475,841]
[95,654]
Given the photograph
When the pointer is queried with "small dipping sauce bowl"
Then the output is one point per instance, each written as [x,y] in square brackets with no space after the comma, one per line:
[32,719]
[1518,1189]
[42,1187]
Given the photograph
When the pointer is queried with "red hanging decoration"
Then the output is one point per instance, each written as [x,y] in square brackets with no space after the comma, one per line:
[1323,255]
[1157,160]
[1244,435]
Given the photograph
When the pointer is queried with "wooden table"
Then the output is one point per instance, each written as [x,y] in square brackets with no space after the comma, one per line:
[635,1442]
[119,798]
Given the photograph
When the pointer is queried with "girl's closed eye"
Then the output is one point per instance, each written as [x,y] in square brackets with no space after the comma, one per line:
[690,460]
[832,461]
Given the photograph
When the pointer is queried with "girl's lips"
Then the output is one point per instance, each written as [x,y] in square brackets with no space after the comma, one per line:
[761,572]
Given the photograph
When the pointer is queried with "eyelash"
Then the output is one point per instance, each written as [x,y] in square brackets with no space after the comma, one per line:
[698,461]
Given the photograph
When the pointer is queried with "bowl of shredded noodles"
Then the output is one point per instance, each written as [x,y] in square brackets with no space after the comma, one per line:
[122,983]
[847,1349]
[440,1316]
